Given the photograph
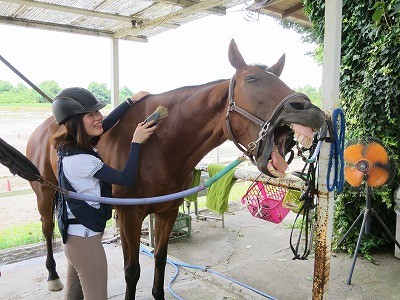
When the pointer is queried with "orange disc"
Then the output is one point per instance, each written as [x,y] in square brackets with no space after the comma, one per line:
[375,153]
[377,176]
[353,153]
[353,176]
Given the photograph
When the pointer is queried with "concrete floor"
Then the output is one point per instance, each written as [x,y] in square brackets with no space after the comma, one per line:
[254,252]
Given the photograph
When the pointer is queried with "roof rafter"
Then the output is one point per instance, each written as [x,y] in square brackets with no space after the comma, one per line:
[72,10]
[175,16]
[66,28]
[288,12]
[83,12]
[217,10]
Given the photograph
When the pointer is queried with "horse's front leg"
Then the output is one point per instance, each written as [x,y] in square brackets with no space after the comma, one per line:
[163,226]
[45,197]
[130,232]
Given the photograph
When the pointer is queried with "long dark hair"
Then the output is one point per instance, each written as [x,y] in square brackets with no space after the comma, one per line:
[74,135]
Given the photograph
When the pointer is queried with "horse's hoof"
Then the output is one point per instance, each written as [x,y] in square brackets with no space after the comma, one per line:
[55,285]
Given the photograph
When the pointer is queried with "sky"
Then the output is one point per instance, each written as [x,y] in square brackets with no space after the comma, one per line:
[195,53]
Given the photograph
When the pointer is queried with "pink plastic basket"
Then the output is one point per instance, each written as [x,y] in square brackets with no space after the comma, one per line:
[265,201]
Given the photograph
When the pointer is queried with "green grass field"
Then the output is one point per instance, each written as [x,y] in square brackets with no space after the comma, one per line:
[30,233]
[35,107]
[31,107]
[25,234]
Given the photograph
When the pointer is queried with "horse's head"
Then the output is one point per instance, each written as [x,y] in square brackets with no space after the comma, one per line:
[265,115]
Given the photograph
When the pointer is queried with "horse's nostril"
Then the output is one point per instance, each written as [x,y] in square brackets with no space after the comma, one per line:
[297,105]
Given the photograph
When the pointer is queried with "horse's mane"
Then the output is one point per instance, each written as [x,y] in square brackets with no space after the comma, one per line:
[190,87]
[212,83]
[262,66]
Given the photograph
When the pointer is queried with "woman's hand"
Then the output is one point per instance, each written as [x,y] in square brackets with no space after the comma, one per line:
[143,132]
[139,96]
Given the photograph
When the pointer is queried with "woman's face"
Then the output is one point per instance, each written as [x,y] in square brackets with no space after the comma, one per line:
[92,123]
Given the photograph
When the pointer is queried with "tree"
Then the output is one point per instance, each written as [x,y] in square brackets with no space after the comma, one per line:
[18,94]
[101,91]
[312,93]
[370,98]
[21,93]
[124,93]
[5,86]
[50,88]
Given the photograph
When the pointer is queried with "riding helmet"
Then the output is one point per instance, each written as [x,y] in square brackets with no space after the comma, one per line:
[72,101]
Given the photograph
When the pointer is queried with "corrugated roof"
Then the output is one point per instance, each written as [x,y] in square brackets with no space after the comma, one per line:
[135,20]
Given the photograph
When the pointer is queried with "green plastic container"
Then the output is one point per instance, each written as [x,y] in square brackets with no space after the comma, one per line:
[182,227]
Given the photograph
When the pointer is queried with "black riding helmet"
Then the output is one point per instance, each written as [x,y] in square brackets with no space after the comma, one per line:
[72,101]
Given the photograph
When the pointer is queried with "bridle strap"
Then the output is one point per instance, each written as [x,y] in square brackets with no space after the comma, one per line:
[263,124]
[232,106]
[233,139]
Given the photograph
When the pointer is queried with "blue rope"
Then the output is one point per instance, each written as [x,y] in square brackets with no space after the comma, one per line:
[336,159]
[137,201]
[176,265]
[157,199]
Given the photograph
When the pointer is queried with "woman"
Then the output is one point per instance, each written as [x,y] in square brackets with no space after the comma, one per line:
[81,169]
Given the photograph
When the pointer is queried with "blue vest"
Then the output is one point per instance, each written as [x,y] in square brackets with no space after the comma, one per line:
[90,217]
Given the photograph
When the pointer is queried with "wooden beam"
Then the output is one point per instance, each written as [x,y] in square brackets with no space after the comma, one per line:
[65,28]
[279,13]
[85,12]
[219,10]
[22,9]
[175,16]
[288,12]
[72,10]
[289,181]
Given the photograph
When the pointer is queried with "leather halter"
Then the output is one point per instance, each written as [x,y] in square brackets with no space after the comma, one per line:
[263,124]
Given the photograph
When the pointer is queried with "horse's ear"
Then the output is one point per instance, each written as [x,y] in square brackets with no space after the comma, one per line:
[278,67]
[235,57]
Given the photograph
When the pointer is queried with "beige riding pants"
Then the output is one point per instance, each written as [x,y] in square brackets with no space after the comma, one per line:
[87,268]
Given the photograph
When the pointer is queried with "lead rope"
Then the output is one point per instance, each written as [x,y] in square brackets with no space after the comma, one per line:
[336,157]
[306,210]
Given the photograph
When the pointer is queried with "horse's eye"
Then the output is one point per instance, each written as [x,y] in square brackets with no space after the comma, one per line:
[250,78]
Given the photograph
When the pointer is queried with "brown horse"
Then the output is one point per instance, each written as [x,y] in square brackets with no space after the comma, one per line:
[254,108]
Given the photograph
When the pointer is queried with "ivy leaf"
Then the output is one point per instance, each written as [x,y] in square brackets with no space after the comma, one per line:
[379,11]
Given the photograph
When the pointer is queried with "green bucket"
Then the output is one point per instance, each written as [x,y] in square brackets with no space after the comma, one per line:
[292,201]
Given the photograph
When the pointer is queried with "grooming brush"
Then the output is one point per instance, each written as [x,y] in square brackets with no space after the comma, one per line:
[160,113]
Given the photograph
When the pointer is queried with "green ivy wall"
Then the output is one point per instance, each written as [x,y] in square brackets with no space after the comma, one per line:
[370,98]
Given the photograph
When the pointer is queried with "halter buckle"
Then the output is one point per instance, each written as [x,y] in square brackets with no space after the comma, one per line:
[251,146]
[263,131]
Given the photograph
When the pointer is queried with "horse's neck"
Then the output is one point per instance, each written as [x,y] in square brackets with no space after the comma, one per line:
[196,123]
[193,127]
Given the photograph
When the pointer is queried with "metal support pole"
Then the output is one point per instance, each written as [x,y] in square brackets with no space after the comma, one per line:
[330,100]
[151,231]
[114,73]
